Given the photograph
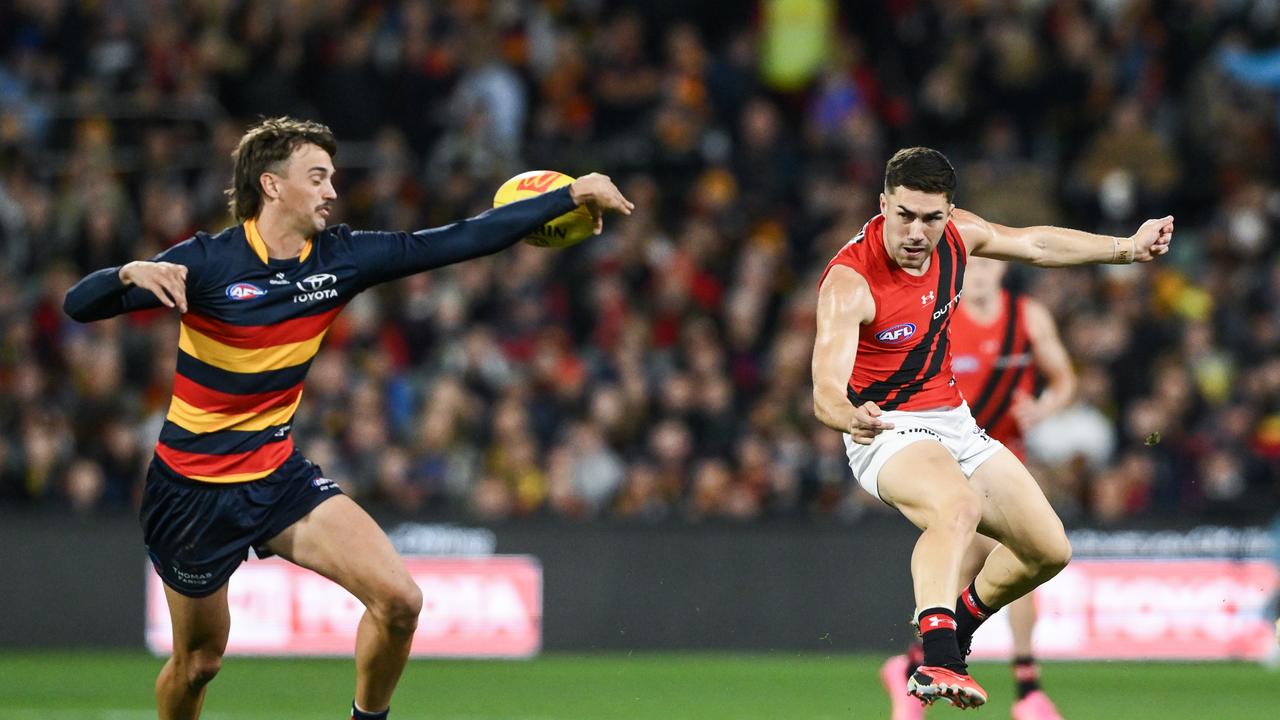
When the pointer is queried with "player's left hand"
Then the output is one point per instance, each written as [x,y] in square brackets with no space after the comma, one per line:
[599,194]
[1152,239]
[1027,411]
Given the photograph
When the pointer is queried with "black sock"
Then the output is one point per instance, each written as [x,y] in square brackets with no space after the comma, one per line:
[938,633]
[358,714]
[1026,674]
[971,612]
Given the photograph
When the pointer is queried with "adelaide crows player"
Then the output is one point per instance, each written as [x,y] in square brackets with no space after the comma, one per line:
[255,302]
[1002,342]
[882,375]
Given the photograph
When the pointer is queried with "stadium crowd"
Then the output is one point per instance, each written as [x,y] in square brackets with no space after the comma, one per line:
[661,370]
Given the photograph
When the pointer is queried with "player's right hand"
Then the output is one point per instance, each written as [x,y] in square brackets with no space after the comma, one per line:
[166,280]
[866,423]
[599,193]
[1152,239]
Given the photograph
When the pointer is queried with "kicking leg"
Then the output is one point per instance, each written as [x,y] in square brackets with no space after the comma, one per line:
[924,482]
[341,542]
[200,630]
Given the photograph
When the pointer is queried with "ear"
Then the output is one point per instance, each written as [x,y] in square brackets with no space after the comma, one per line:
[270,185]
[884,204]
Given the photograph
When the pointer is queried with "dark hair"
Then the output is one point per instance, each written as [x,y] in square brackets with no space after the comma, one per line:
[920,168]
[263,148]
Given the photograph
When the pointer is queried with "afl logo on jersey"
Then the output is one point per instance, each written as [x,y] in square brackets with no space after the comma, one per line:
[244,291]
[897,334]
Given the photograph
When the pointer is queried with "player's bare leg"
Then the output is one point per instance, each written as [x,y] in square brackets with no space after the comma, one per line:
[1022,621]
[200,629]
[1033,544]
[1032,702]
[341,542]
[926,485]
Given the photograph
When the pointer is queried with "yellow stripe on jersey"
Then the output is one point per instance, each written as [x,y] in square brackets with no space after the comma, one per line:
[237,478]
[260,246]
[246,360]
[193,419]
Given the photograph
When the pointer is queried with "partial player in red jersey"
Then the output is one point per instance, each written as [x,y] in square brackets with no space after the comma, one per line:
[1001,343]
[882,375]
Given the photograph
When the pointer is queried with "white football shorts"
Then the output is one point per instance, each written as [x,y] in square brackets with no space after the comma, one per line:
[954,428]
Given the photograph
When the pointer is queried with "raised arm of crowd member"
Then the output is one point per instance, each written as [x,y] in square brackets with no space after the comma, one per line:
[1049,246]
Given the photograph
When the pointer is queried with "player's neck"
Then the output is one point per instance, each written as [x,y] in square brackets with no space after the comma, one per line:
[283,240]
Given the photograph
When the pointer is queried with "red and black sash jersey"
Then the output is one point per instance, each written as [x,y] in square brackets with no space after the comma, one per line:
[993,362]
[904,357]
[254,324]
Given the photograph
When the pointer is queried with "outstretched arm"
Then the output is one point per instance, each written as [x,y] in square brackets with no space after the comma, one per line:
[1048,246]
[844,304]
[139,285]
[386,256]
[1054,364]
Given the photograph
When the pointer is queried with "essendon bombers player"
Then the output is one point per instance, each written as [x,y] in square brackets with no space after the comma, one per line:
[882,375]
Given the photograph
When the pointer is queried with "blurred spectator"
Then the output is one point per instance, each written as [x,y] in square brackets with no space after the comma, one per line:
[661,370]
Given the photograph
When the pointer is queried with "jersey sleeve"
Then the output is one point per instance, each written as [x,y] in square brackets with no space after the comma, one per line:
[101,294]
[383,256]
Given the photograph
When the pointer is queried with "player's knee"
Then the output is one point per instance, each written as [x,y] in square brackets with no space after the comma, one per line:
[962,511]
[1059,555]
[201,667]
[1054,556]
[399,608]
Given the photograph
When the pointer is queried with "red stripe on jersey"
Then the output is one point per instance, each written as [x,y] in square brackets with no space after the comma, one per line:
[261,336]
[211,400]
[188,464]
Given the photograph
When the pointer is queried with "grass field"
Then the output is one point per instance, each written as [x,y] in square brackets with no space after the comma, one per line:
[117,686]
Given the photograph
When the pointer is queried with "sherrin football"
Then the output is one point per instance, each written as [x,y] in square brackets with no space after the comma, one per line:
[569,229]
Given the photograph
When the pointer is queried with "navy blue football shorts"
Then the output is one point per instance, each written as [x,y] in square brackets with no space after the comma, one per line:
[198,533]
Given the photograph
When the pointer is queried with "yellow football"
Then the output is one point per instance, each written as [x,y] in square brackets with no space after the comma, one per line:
[569,229]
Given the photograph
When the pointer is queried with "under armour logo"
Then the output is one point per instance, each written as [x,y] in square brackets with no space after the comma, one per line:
[936,621]
[927,298]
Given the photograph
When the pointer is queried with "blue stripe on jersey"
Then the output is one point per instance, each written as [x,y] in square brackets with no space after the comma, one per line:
[223,442]
[241,383]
